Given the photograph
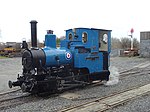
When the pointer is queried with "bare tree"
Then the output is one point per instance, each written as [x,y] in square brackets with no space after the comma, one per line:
[125,42]
[62,37]
[136,43]
[115,43]
[38,43]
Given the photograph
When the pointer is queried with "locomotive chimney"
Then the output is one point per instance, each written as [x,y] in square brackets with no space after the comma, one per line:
[33,34]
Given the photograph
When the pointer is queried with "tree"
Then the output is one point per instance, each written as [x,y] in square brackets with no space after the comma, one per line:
[62,37]
[115,43]
[136,43]
[57,41]
[125,42]
[38,43]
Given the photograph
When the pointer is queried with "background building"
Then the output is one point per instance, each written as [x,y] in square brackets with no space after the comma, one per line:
[145,44]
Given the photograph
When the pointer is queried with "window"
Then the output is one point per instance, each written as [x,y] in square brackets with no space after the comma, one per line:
[84,37]
[70,36]
[103,41]
[105,38]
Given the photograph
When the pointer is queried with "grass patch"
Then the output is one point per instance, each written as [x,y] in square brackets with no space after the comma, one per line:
[2,57]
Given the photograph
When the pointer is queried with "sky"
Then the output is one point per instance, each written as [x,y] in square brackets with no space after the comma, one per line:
[59,15]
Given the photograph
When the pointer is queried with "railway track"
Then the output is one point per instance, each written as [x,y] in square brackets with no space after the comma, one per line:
[135,73]
[116,98]
[135,70]
[139,66]
[12,91]
[12,98]
[111,101]
[16,97]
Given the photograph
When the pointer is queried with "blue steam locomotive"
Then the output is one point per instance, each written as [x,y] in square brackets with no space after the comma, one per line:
[83,57]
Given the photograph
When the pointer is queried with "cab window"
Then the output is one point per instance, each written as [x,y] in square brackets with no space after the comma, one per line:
[84,37]
[70,36]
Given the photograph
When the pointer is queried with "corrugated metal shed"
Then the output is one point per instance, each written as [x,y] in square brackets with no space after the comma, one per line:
[145,44]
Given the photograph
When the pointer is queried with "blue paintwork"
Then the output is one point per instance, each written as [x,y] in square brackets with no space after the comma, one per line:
[92,65]
[56,57]
[50,40]
[92,59]
[80,60]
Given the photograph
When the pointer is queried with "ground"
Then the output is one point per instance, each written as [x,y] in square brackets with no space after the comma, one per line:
[11,66]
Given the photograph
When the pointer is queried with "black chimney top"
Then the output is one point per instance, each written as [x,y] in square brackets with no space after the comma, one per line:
[33,33]
[50,31]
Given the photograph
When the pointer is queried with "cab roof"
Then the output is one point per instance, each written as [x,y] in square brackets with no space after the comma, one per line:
[90,29]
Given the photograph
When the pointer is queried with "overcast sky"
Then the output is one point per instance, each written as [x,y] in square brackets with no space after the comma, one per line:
[116,15]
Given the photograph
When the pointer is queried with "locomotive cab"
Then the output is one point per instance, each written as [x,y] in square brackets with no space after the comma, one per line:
[91,48]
